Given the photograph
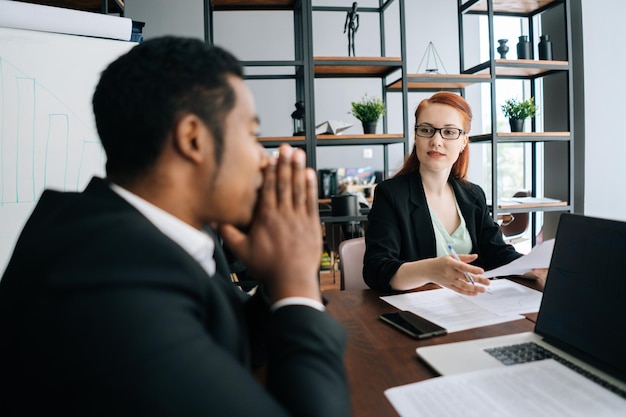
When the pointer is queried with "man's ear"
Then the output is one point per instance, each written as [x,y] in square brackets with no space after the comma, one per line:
[192,140]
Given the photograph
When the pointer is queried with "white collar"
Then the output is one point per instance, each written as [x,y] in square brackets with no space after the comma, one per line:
[195,242]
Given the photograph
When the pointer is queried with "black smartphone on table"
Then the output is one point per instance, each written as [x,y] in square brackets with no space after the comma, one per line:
[413,325]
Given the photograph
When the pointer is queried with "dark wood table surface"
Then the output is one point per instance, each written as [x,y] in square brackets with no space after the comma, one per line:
[379,357]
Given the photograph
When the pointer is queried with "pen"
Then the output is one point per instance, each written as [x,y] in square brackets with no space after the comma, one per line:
[455,256]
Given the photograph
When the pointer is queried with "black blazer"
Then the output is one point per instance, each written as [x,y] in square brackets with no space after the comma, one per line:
[400,228]
[102,314]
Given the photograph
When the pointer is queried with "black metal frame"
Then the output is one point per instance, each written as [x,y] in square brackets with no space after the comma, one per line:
[305,71]
[495,138]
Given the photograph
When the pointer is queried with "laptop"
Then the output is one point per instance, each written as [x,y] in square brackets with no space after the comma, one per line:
[582,317]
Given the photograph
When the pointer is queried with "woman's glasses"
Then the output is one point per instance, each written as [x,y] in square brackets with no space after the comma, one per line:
[448,133]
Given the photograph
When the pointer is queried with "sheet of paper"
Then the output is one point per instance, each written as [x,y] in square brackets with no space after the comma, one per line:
[505,301]
[539,389]
[507,297]
[538,257]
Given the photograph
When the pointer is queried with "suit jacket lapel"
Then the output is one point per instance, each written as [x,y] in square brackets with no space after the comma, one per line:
[224,318]
[420,218]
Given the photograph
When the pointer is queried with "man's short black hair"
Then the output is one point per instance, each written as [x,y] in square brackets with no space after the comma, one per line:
[142,94]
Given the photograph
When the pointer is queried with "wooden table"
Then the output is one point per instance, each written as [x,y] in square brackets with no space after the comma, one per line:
[379,357]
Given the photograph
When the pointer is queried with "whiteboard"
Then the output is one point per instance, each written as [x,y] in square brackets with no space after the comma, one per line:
[48,137]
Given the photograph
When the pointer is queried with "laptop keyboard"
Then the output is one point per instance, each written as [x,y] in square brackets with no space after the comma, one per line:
[529,352]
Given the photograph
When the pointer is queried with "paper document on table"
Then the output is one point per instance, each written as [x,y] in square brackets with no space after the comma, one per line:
[538,257]
[539,389]
[505,301]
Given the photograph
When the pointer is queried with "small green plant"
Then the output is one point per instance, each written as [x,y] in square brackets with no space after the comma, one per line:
[369,109]
[520,110]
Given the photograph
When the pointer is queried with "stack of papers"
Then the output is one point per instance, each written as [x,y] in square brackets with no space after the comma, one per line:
[504,301]
[539,389]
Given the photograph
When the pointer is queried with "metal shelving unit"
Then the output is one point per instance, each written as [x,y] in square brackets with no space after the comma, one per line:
[533,71]
[308,68]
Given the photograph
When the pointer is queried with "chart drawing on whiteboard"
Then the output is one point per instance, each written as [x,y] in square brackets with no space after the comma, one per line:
[48,137]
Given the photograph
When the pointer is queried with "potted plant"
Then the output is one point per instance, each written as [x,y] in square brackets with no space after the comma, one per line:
[517,111]
[368,111]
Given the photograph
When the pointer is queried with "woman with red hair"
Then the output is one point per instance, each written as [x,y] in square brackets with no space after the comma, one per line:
[429,207]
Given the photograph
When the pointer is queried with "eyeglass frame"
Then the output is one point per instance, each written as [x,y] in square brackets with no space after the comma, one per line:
[440,129]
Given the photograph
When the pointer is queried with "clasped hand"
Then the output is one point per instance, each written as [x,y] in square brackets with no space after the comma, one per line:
[283,245]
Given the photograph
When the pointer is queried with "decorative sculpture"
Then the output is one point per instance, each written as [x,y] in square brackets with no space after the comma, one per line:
[431,68]
[503,48]
[351,25]
[299,128]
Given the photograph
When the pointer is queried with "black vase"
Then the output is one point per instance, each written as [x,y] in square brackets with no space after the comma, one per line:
[545,47]
[523,48]
[369,127]
[503,48]
[517,125]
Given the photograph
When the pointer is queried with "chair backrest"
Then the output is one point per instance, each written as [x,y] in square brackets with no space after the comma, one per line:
[519,223]
[351,252]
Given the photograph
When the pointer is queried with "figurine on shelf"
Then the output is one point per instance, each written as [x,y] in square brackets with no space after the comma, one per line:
[503,48]
[351,25]
[298,119]
[431,68]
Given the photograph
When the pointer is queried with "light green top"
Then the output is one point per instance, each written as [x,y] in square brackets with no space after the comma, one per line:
[460,239]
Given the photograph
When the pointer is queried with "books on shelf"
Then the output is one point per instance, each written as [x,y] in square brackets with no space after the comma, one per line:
[519,202]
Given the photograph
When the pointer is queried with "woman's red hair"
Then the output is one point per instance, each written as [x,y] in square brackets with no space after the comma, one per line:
[459,169]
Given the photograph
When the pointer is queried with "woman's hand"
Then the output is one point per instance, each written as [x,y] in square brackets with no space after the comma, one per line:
[452,275]
[444,271]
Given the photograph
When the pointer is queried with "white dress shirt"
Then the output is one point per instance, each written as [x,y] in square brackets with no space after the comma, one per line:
[195,242]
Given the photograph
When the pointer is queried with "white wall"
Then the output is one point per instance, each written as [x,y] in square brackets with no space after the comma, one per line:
[166,17]
[247,37]
[604,107]
[598,74]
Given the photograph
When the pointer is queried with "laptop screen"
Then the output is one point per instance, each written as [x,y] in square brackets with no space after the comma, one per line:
[584,299]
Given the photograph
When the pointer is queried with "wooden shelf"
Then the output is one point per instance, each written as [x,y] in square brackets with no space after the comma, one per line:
[253,3]
[83,5]
[529,68]
[282,138]
[356,66]
[519,7]
[369,139]
[439,81]
[529,203]
[276,141]
[523,137]
[534,135]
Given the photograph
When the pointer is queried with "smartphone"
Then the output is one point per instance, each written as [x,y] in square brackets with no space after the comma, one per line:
[413,325]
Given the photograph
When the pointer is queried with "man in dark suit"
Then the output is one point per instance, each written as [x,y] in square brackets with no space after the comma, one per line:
[117,302]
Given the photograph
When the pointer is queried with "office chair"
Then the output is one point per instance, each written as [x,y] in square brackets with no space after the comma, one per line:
[351,252]
[518,223]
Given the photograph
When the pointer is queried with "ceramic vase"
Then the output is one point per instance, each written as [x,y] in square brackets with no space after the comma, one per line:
[503,48]
[517,125]
[523,48]
[369,127]
[545,47]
